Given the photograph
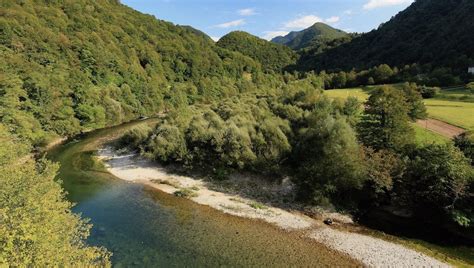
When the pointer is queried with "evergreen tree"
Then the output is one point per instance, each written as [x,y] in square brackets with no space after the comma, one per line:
[385,123]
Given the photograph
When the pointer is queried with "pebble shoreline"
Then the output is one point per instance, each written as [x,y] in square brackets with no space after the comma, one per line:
[370,251]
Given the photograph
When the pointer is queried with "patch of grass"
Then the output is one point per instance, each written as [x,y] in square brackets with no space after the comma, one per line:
[238,200]
[424,136]
[362,94]
[257,205]
[166,182]
[455,107]
[456,94]
[185,193]
[233,208]
[456,113]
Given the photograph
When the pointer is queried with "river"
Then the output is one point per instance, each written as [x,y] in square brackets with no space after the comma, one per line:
[144,227]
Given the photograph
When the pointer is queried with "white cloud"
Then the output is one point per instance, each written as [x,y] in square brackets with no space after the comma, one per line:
[302,22]
[247,12]
[333,19]
[229,24]
[372,4]
[215,38]
[269,35]
[348,12]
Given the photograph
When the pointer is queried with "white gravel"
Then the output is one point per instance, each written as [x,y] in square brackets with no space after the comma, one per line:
[371,251]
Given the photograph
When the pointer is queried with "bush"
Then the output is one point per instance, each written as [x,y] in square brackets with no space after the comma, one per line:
[186,193]
[134,138]
[465,142]
[437,183]
[428,92]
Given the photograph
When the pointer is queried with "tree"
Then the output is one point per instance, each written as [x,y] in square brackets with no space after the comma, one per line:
[328,160]
[167,144]
[383,169]
[382,73]
[385,123]
[339,80]
[414,101]
[37,227]
[465,142]
[352,110]
[437,183]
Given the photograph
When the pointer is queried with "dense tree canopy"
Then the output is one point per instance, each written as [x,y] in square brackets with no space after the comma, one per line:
[273,57]
[314,36]
[429,32]
[75,65]
[385,124]
[37,227]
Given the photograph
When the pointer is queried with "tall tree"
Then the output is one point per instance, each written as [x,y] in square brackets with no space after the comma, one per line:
[385,123]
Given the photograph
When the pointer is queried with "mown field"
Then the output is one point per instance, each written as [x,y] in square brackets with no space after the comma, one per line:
[456,113]
[424,136]
[455,107]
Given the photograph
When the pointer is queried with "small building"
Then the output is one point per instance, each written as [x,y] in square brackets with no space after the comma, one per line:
[470,70]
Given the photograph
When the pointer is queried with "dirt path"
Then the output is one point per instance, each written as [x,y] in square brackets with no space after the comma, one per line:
[440,127]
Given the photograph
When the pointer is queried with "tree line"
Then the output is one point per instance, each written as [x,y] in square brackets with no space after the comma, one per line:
[336,152]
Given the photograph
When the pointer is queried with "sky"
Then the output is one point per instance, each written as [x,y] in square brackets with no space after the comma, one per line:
[270,18]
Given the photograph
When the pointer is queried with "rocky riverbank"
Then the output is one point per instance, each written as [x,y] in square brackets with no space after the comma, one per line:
[371,251]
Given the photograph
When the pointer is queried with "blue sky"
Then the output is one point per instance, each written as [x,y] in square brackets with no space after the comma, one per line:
[269,18]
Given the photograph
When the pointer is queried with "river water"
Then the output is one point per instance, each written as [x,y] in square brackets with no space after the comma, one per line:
[144,227]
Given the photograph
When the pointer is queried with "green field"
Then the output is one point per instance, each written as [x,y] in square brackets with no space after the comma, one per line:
[451,106]
[424,136]
[360,93]
[456,113]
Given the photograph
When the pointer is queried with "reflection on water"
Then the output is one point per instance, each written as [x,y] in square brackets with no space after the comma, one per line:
[144,227]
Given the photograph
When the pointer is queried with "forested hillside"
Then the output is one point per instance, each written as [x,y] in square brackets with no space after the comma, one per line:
[429,32]
[273,57]
[315,35]
[69,66]
[72,66]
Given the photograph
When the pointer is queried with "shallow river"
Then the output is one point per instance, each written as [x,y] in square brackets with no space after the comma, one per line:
[144,227]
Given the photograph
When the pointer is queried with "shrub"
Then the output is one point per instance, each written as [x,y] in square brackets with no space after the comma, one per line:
[465,142]
[428,92]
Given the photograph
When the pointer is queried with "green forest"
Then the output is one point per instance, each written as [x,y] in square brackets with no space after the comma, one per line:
[241,104]
[425,34]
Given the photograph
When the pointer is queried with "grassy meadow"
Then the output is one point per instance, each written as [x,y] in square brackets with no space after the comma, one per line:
[424,136]
[453,106]
[456,113]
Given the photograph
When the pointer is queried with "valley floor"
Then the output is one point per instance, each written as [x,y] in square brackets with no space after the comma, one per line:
[370,251]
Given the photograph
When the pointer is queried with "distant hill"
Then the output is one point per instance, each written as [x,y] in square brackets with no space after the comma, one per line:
[311,36]
[196,31]
[433,33]
[273,57]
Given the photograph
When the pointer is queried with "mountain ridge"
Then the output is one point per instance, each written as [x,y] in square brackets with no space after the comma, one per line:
[307,37]
[432,32]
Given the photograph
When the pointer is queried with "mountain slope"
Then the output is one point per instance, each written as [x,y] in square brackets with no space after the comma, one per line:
[69,66]
[273,57]
[317,33]
[432,32]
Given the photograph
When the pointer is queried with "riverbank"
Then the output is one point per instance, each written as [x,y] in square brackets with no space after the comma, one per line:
[366,249]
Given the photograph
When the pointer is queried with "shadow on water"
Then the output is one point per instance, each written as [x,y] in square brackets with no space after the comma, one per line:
[143,227]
